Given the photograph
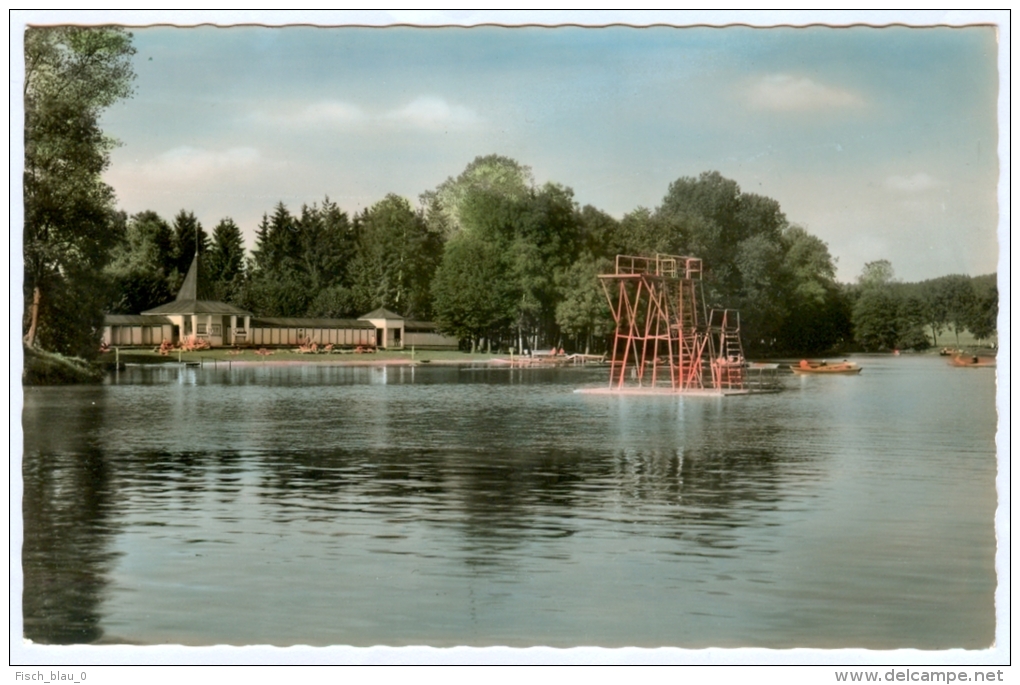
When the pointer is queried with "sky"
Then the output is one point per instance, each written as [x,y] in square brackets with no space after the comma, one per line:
[881,141]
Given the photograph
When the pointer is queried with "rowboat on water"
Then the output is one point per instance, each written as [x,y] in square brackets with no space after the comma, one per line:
[843,367]
[971,361]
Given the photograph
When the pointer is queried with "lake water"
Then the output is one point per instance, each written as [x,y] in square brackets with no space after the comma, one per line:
[455,505]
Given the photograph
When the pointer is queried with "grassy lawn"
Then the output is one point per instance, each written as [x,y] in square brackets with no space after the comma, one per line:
[149,356]
[948,339]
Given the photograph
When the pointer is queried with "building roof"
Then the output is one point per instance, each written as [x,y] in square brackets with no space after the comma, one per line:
[135,320]
[190,290]
[198,307]
[192,298]
[301,322]
[419,326]
[381,313]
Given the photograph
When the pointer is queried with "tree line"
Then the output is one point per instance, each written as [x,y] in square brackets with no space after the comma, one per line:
[501,262]
[489,255]
[888,314]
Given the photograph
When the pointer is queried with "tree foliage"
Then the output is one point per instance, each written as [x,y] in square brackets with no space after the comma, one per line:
[493,174]
[397,255]
[224,261]
[583,311]
[141,265]
[914,315]
[71,75]
[189,237]
[492,257]
[472,293]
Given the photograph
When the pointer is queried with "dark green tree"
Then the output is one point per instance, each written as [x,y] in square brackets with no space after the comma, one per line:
[762,297]
[959,298]
[275,243]
[600,234]
[472,294]
[187,230]
[984,314]
[225,261]
[738,237]
[72,74]
[141,264]
[583,311]
[934,307]
[876,317]
[273,286]
[147,245]
[818,309]
[397,256]
[911,322]
[887,314]
[297,260]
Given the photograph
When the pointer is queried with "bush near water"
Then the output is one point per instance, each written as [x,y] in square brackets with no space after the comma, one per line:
[50,368]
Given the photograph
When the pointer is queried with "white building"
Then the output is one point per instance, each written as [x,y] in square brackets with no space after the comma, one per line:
[219,323]
[224,325]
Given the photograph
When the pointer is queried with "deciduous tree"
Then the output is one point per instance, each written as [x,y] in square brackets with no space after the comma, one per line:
[72,74]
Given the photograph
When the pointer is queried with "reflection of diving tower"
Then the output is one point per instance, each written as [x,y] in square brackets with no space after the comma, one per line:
[664,336]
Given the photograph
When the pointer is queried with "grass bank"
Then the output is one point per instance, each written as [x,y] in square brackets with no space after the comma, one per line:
[49,368]
[248,356]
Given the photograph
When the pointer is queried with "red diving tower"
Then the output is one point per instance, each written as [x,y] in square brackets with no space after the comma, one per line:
[666,339]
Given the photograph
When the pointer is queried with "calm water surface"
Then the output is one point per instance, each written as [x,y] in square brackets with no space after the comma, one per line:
[454,505]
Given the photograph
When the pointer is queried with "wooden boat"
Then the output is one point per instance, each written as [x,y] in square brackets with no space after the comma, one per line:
[971,361]
[806,367]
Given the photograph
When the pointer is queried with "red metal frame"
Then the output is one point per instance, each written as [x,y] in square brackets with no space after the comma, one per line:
[661,323]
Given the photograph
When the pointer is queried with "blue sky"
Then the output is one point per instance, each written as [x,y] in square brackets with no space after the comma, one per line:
[883,142]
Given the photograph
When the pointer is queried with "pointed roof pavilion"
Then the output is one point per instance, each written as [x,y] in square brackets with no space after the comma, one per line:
[191,299]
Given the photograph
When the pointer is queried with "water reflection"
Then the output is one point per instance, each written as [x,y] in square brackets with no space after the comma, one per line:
[459,505]
[66,555]
[494,503]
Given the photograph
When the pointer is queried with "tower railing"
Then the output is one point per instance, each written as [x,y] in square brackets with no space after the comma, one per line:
[663,333]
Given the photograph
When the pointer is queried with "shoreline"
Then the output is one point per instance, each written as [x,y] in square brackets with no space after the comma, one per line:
[308,362]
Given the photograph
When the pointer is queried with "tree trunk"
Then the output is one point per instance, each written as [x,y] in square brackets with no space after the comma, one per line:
[34,324]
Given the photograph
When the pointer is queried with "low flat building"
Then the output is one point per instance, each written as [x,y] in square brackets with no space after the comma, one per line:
[292,331]
[135,330]
[395,332]
[192,315]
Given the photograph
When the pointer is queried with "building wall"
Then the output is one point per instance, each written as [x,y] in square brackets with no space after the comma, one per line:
[272,336]
[136,336]
[392,336]
[436,341]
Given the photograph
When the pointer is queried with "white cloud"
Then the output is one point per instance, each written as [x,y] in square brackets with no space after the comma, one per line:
[790,93]
[186,166]
[911,184]
[330,112]
[432,113]
[427,112]
[325,113]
